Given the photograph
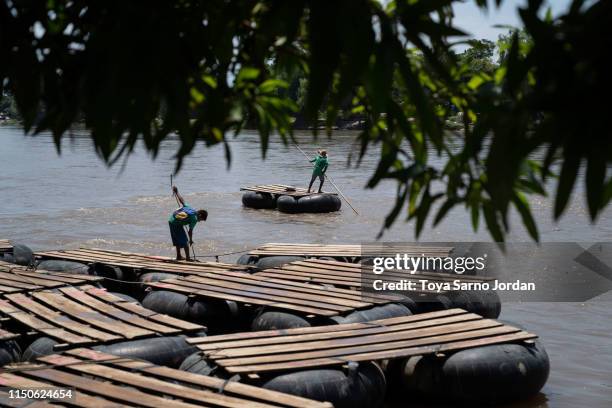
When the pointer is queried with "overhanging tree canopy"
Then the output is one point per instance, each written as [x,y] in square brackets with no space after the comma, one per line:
[204,69]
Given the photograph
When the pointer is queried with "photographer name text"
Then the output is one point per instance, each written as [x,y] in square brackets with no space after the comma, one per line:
[436,286]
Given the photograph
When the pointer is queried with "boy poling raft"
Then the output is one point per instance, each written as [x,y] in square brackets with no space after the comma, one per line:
[319,169]
[293,200]
[182,217]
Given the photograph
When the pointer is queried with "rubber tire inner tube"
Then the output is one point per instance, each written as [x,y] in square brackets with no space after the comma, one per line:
[374,313]
[167,351]
[269,262]
[275,320]
[360,386]
[317,203]
[246,259]
[42,346]
[156,276]
[23,255]
[258,201]
[209,313]
[486,375]
[485,303]
[57,265]
[10,352]
[198,364]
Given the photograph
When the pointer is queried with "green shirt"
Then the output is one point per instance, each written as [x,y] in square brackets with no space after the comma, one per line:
[190,219]
[320,165]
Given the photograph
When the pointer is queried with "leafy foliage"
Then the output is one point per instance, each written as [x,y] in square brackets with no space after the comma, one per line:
[206,69]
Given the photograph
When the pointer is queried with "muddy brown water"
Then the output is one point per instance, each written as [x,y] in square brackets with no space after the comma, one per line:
[50,201]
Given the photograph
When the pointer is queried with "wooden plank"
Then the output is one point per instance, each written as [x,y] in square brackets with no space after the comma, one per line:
[148,383]
[90,316]
[370,356]
[229,388]
[248,300]
[141,311]
[79,398]
[7,335]
[281,189]
[51,331]
[371,330]
[332,345]
[325,329]
[346,353]
[140,262]
[104,389]
[58,327]
[115,313]
[349,340]
[346,250]
[322,296]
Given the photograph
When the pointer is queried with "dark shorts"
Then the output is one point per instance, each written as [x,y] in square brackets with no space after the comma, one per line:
[314,176]
[178,234]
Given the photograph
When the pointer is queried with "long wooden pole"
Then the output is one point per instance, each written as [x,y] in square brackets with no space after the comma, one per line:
[331,181]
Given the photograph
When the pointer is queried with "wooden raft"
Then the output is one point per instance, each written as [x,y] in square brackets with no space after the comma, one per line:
[15,278]
[87,315]
[142,263]
[352,251]
[103,380]
[281,189]
[353,275]
[5,245]
[276,293]
[399,337]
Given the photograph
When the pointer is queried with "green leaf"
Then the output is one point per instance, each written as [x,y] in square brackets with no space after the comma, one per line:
[522,205]
[567,178]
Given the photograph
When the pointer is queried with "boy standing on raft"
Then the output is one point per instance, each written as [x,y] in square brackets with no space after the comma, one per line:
[178,219]
[320,167]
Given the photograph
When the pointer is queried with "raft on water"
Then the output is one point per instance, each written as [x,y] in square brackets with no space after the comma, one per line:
[309,361]
[5,246]
[339,252]
[85,315]
[289,199]
[100,379]
[422,291]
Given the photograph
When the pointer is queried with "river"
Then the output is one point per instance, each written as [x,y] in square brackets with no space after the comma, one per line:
[49,202]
